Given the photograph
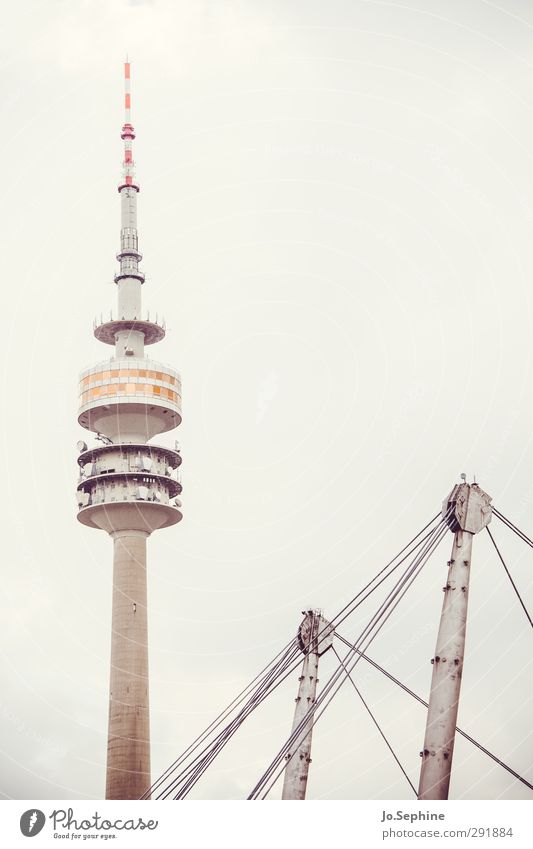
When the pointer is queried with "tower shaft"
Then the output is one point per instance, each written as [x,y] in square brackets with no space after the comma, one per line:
[128,748]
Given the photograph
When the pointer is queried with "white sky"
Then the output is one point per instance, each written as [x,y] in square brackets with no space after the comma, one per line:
[336,218]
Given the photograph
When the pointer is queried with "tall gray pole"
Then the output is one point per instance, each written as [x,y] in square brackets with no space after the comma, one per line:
[315,636]
[468,510]
[128,746]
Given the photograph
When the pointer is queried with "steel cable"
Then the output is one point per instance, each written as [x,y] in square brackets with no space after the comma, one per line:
[512,527]
[260,692]
[422,702]
[376,723]
[217,721]
[515,588]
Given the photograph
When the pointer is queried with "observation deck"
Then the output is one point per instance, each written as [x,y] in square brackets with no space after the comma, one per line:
[129,399]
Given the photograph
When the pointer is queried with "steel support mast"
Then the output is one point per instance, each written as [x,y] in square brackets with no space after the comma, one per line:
[315,636]
[467,511]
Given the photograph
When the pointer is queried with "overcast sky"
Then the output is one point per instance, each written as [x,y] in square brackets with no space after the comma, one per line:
[336,215]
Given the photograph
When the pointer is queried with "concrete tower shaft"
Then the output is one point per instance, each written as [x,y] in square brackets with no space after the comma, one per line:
[128,772]
[127,487]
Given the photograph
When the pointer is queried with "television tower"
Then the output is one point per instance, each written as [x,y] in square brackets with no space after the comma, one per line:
[128,487]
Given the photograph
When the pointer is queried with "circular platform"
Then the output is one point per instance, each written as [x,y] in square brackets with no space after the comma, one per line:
[138,418]
[91,455]
[171,485]
[127,515]
[107,331]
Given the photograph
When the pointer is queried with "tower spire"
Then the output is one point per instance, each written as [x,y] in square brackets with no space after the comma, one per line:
[128,133]
[129,332]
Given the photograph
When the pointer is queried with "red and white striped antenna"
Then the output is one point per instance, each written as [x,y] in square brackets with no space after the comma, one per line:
[128,133]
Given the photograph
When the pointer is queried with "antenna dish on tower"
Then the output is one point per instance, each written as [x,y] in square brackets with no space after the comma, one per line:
[81,446]
[104,439]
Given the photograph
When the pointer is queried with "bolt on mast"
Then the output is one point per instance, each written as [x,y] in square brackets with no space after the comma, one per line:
[467,511]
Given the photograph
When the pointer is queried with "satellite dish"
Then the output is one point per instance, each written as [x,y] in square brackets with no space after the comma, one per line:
[102,438]
[81,446]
